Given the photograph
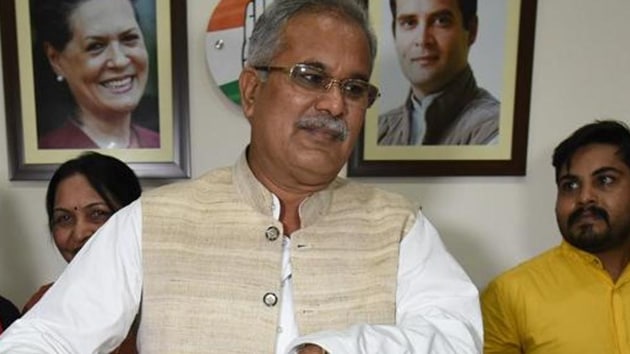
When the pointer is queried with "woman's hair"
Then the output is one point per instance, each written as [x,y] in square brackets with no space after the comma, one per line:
[51,19]
[266,39]
[111,178]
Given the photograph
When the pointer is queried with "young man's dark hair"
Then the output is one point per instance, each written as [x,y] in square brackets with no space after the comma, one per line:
[467,7]
[609,132]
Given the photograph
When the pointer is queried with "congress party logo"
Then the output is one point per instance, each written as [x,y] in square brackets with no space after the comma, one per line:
[227,39]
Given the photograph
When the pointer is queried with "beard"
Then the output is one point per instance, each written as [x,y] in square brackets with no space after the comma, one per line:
[588,237]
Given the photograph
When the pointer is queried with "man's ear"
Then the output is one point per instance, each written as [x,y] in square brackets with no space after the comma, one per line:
[248,83]
[473,27]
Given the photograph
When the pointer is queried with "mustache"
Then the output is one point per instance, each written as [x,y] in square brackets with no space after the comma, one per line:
[336,127]
[598,212]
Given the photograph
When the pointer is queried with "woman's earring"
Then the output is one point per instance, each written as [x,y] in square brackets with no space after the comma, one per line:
[59,78]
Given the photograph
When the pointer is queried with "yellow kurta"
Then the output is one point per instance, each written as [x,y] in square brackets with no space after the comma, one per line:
[562,301]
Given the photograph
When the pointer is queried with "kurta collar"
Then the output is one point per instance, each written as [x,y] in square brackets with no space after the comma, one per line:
[443,107]
[582,256]
[260,198]
[591,260]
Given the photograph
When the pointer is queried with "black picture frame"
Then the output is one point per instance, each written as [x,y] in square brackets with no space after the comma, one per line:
[171,160]
[514,164]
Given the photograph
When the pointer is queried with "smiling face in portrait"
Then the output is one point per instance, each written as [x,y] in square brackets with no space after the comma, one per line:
[432,42]
[77,213]
[105,63]
[281,149]
[593,201]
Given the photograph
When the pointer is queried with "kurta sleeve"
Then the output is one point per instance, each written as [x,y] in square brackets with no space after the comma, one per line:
[92,305]
[500,328]
[437,307]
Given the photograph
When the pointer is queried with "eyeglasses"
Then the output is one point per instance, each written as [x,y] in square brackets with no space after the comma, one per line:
[312,78]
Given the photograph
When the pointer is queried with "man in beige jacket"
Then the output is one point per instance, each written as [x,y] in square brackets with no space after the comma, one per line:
[275,254]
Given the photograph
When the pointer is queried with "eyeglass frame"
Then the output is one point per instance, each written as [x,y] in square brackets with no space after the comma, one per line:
[372,92]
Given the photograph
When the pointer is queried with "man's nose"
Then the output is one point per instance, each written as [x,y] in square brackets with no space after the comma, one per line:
[587,195]
[425,34]
[332,100]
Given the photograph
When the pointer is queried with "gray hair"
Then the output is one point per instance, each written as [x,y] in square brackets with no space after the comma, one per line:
[266,39]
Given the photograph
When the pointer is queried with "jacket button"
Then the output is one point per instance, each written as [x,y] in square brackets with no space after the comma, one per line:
[272,233]
[270,299]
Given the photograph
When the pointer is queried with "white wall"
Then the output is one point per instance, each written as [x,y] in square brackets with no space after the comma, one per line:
[489,223]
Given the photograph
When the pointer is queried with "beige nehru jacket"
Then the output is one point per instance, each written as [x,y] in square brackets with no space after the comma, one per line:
[212,258]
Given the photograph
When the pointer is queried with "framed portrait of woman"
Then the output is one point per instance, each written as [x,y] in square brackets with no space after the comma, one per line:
[96,75]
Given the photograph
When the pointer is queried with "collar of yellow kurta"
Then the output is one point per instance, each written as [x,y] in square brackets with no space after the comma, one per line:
[577,254]
[590,260]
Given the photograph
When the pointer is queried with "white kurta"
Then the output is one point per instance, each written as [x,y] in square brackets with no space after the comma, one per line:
[437,306]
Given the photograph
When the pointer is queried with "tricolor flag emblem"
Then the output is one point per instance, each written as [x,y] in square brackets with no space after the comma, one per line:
[227,37]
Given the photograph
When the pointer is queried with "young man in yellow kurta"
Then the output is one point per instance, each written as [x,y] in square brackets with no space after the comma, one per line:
[574,298]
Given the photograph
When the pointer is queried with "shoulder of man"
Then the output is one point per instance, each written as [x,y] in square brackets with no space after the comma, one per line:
[526,273]
[374,202]
[369,196]
[393,127]
[392,117]
[214,177]
[484,100]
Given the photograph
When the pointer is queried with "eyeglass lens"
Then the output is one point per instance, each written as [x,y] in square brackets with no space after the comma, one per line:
[355,90]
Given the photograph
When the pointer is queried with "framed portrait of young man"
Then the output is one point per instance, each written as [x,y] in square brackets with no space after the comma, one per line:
[455,81]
